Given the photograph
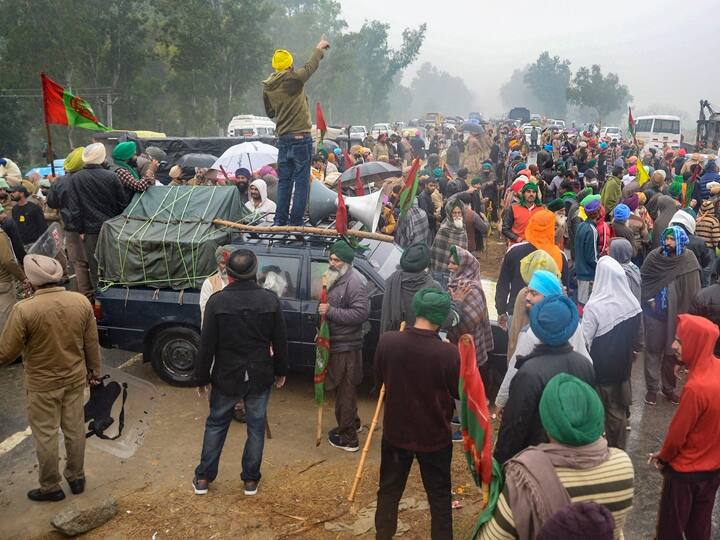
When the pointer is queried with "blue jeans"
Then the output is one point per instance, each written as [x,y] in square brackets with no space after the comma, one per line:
[216,428]
[294,153]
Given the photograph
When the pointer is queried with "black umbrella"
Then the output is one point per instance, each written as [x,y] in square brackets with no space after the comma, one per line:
[472,127]
[372,171]
[204,161]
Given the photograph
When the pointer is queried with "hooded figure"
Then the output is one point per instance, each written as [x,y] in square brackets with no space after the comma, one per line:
[451,232]
[690,454]
[687,223]
[265,208]
[611,323]
[670,281]
[622,251]
[401,286]
[474,318]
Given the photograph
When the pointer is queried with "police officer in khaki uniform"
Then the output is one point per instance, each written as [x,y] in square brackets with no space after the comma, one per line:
[56,333]
[9,271]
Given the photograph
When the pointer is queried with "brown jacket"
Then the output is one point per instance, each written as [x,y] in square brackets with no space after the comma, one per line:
[56,333]
[9,267]
[285,99]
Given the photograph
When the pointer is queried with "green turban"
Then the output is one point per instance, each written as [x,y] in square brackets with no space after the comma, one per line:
[432,304]
[415,258]
[555,205]
[454,254]
[73,161]
[475,181]
[530,186]
[343,251]
[675,189]
[537,260]
[121,153]
[571,411]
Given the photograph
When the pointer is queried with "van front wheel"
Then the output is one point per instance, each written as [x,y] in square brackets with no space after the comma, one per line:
[173,354]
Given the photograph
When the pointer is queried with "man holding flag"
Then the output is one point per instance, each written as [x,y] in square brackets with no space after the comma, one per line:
[346,310]
[419,370]
[285,102]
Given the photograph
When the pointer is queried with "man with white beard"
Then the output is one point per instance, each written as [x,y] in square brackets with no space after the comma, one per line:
[347,310]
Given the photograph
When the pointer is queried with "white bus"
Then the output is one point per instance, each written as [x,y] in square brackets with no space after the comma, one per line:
[658,130]
[249,125]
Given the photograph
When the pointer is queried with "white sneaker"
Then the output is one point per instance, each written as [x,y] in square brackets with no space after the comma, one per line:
[251,487]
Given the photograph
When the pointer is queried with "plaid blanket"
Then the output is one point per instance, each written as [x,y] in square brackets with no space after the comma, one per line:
[413,227]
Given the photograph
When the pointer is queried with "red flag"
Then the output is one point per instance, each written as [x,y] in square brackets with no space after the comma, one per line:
[349,162]
[631,123]
[320,121]
[359,188]
[446,172]
[341,216]
[62,107]
[409,189]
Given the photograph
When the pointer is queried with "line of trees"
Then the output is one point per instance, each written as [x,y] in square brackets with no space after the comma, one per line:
[184,68]
[548,85]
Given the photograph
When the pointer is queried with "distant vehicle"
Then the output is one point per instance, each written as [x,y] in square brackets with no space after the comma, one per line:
[521,114]
[249,125]
[475,116]
[377,129]
[399,126]
[611,133]
[708,127]
[536,118]
[433,118]
[658,130]
[560,124]
[358,131]
[527,129]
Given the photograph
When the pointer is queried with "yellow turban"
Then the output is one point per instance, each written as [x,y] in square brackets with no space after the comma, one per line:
[282,60]
[537,260]
[74,161]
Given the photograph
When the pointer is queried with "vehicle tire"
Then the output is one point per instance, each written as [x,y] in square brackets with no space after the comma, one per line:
[173,354]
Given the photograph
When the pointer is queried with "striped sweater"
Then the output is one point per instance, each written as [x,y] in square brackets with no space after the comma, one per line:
[609,484]
[708,228]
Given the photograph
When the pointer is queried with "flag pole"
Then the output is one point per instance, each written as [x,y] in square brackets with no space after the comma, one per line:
[368,441]
[50,154]
[318,428]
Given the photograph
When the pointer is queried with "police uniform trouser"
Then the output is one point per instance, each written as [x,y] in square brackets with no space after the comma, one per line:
[47,411]
[7,301]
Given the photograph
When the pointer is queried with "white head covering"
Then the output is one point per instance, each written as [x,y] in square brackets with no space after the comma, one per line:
[611,301]
[266,205]
[94,154]
[681,217]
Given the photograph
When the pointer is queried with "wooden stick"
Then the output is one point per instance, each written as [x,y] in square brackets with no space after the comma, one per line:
[302,230]
[368,441]
[318,429]
[267,428]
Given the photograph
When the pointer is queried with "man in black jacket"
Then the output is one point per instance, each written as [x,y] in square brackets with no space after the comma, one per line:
[429,185]
[95,195]
[27,215]
[244,340]
[553,321]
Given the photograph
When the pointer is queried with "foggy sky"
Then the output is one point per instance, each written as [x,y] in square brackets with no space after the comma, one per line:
[664,51]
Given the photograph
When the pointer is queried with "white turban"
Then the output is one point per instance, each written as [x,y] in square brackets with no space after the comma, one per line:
[94,154]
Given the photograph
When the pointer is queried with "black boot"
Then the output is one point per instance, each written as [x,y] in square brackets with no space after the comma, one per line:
[38,496]
[77,486]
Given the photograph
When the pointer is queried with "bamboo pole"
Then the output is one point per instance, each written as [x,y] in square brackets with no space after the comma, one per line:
[302,230]
[318,429]
[368,441]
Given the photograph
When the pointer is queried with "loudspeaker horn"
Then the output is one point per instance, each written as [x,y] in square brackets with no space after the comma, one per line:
[323,203]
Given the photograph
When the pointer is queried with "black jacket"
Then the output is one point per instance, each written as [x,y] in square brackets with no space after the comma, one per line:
[58,199]
[510,280]
[425,202]
[707,304]
[95,195]
[612,353]
[241,323]
[30,221]
[11,229]
[520,426]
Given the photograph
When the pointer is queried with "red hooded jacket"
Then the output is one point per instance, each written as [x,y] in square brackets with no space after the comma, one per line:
[692,443]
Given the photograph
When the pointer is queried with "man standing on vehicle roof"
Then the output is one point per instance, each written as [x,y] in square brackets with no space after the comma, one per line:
[243,323]
[285,102]
[347,310]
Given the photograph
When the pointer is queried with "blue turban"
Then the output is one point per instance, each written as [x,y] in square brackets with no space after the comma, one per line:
[519,167]
[593,205]
[554,320]
[681,239]
[545,283]
[548,147]
[603,145]
[621,212]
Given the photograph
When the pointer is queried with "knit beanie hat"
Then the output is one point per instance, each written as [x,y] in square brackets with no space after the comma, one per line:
[282,60]
[537,260]
[415,258]
[621,212]
[554,320]
[432,304]
[41,270]
[74,160]
[343,251]
[545,283]
[579,521]
[243,272]
[571,411]
[707,206]
[94,154]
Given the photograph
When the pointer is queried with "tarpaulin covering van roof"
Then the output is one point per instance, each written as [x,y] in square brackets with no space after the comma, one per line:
[166,238]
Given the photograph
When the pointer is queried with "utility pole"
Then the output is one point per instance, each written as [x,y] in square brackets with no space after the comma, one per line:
[109,103]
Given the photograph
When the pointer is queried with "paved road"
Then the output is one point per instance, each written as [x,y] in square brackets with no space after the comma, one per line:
[179,416]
